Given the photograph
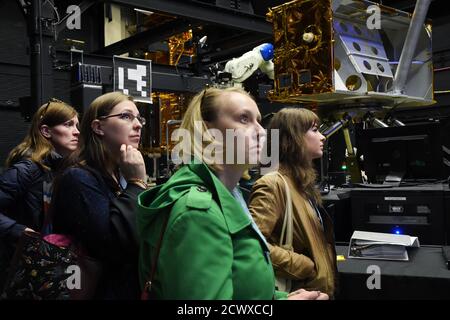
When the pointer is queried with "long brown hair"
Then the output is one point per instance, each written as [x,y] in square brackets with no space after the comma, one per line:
[293,124]
[93,151]
[35,146]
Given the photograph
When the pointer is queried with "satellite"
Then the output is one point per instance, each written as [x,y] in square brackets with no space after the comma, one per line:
[351,52]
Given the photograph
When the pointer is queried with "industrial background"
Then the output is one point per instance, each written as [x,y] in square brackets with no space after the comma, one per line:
[44,54]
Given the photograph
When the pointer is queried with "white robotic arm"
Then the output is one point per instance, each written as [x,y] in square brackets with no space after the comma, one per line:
[243,67]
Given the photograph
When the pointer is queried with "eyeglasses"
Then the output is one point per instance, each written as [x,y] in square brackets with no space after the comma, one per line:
[127,116]
[48,104]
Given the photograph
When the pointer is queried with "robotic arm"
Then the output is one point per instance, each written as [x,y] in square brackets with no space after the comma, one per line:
[243,67]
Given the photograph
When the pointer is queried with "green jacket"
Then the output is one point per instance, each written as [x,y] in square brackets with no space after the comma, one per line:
[209,248]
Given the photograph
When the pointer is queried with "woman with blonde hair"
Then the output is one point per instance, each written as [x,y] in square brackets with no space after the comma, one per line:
[30,168]
[95,197]
[311,264]
[197,237]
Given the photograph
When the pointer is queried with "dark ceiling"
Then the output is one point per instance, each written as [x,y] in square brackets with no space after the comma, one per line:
[225,39]
[438,8]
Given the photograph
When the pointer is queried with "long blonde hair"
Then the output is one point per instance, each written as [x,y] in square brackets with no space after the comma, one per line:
[204,107]
[35,146]
[293,124]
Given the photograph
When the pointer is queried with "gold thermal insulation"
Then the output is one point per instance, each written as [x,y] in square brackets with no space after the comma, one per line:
[172,107]
[303,49]
[178,48]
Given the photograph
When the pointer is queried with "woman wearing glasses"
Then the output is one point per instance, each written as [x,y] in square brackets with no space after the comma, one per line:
[95,197]
[30,168]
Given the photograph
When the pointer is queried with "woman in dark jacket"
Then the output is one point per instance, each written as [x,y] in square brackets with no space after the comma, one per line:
[30,168]
[95,198]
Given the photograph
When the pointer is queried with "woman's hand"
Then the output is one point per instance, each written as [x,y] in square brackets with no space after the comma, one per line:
[131,163]
[302,294]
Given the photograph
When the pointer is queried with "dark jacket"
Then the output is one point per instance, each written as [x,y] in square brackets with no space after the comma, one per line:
[87,207]
[21,199]
[21,196]
[21,203]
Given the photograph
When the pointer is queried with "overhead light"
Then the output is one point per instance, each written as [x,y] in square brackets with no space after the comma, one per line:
[146,12]
[202,41]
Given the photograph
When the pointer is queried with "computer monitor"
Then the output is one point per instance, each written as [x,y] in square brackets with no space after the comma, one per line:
[411,152]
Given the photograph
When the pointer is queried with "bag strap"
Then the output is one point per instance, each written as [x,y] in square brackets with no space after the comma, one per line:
[148,284]
[47,194]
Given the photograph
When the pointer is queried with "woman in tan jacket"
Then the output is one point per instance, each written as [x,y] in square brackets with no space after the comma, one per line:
[312,263]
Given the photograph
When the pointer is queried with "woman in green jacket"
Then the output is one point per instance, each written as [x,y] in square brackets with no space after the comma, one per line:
[196,229]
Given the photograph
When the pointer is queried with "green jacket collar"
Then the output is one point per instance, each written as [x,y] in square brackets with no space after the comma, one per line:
[235,217]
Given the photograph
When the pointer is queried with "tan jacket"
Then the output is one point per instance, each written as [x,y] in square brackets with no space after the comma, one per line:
[313,263]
